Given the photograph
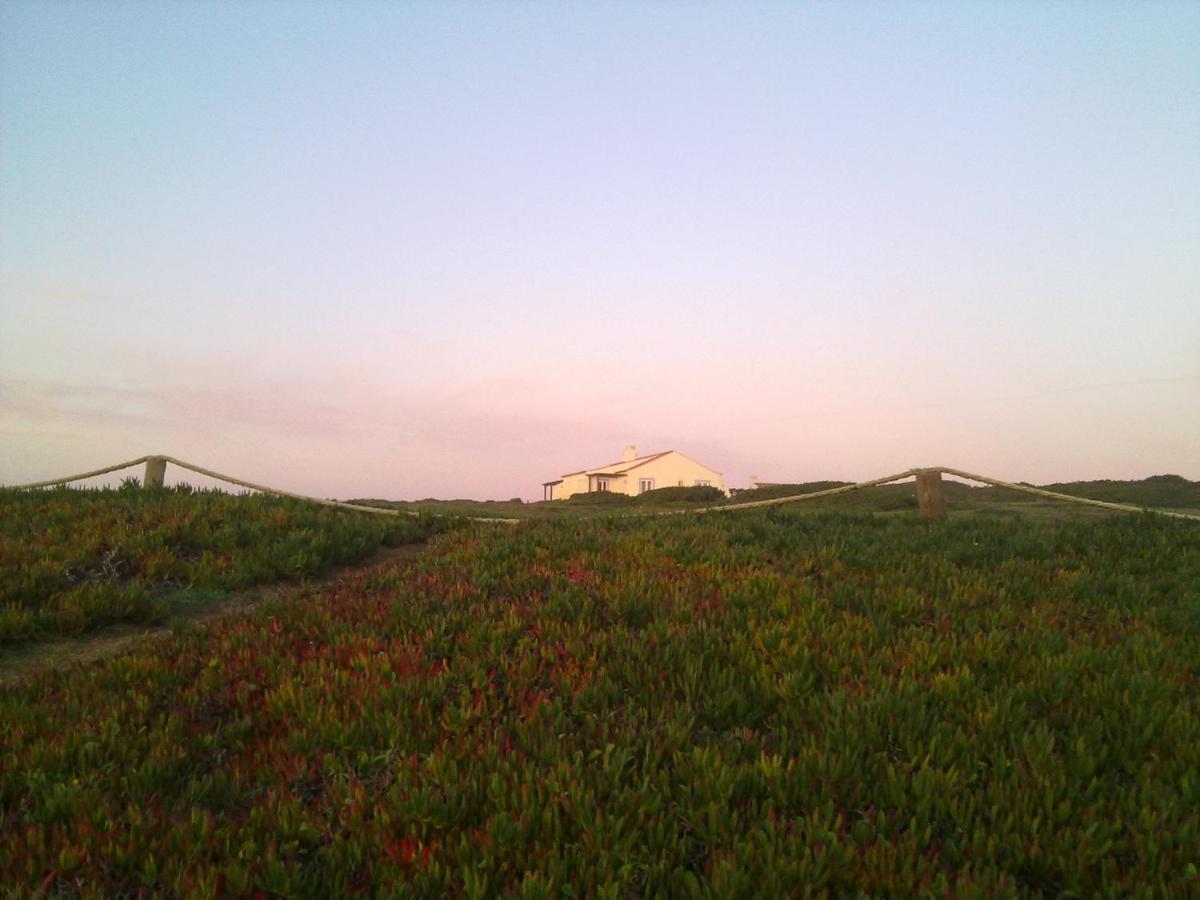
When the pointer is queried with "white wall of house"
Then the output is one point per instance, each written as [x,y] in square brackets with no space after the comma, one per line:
[669,470]
[572,484]
[672,470]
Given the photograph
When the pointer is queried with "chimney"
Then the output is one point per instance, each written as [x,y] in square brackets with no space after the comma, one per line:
[630,454]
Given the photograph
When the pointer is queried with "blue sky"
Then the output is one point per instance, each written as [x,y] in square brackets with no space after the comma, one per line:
[439,249]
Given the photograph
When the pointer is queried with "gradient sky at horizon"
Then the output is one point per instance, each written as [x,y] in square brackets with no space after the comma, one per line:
[412,250]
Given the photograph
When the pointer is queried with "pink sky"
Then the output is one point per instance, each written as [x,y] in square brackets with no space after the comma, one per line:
[456,251]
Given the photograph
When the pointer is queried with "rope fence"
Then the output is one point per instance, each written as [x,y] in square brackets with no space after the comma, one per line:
[54,482]
[156,466]
[793,498]
[930,497]
[937,472]
[1055,495]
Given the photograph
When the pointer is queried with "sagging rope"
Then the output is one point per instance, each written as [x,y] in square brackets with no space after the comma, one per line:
[336,503]
[813,495]
[754,504]
[53,482]
[1055,495]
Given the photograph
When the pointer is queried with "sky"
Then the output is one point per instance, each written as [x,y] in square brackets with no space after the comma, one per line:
[410,250]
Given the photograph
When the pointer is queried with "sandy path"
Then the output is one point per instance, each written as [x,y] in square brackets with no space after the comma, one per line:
[60,654]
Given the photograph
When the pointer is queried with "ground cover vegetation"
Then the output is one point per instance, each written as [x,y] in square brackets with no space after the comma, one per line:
[74,560]
[752,704]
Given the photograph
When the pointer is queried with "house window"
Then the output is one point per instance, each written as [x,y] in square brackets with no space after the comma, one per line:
[702,484]
[602,484]
[645,484]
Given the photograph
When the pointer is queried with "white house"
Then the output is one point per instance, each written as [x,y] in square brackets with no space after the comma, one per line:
[635,475]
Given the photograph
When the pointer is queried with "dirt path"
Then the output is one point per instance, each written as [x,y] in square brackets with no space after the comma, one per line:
[60,654]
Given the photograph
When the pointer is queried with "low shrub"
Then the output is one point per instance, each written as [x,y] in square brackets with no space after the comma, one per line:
[600,498]
[693,494]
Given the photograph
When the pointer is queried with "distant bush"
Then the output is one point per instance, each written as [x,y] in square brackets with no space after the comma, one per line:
[771,492]
[884,498]
[887,498]
[695,494]
[376,502]
[600,498]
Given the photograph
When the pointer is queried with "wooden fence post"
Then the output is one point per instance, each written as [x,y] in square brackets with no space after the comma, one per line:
[930,498]
[156,468]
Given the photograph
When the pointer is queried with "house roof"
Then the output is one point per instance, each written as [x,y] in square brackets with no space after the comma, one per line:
[621,466]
